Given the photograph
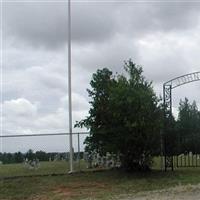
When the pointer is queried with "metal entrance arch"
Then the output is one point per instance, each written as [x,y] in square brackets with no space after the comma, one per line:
[167,98]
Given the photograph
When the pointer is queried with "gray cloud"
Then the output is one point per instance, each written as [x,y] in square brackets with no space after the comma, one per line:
[36,24]
[45,24]
[162,37]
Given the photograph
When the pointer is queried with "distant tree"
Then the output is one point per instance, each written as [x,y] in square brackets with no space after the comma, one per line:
[41,155]
[188,125]
[124,118]
[8,158]
[18,157]
[30,155]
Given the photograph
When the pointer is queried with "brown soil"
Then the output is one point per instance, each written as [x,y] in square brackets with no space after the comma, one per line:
[79,190]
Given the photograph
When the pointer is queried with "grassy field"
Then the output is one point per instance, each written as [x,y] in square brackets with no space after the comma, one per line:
[45,168]
[90,185]
[104,184]
[58,167]
[93,185]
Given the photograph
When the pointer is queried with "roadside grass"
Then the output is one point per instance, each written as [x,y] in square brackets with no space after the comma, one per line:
[104,184]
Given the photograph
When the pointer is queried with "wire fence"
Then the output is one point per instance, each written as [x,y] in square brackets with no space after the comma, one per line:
[41,154]
[49,154]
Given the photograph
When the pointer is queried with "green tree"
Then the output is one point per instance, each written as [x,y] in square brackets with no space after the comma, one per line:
[188,125]
[18,157]
[30,155]
[124,118]
[41,155]
[99,119]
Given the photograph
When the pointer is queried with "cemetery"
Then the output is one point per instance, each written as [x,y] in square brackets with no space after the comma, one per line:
[178,162]
[99,100]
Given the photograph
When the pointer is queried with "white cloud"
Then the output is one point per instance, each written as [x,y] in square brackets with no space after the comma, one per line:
[166,56]
[20,108]
[22,116]
[79,102]
[54,121]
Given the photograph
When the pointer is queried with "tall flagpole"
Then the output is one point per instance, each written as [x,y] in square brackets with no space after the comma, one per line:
[69,87]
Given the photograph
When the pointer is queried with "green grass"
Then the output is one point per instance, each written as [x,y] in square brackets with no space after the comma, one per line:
[93,185]
[45,168]
[104,184]
[59,167]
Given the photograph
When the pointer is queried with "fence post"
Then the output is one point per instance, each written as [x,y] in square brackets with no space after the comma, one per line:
[161,151]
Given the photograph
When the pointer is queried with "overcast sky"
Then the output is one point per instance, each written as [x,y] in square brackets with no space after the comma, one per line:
[163,37]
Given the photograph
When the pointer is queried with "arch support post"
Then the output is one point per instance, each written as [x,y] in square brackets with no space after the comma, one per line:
[167,94]
[168,136]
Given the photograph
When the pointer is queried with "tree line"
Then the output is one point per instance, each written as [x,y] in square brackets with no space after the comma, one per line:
[185,134]
[19,157]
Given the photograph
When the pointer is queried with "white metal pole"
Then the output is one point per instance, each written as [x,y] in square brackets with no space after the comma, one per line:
[69,87]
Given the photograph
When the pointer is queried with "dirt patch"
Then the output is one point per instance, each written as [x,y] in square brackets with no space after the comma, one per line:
[187,192]
[79,190]
[63,191]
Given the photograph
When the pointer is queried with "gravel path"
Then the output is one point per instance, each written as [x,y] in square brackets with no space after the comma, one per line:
[187,192]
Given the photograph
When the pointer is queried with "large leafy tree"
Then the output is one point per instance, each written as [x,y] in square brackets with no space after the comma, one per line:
[125,116]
